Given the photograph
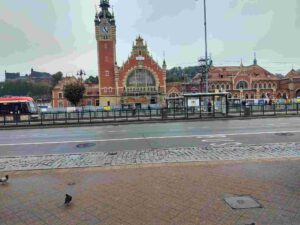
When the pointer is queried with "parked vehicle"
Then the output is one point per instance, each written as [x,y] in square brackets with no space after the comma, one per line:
[17,107]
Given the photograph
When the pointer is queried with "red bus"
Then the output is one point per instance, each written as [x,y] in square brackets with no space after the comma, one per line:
[18,107]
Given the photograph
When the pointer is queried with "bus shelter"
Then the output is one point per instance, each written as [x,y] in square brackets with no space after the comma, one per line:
[175,102]
[207,103]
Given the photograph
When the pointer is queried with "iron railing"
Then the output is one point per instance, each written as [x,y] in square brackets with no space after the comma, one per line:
[129,115]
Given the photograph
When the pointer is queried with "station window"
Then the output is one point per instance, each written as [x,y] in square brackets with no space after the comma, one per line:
[107,73]
[60,95]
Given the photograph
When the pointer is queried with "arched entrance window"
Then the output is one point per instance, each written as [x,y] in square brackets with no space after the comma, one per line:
[242,85]
[263,95]
[298,93]
[246,96]
[140,78]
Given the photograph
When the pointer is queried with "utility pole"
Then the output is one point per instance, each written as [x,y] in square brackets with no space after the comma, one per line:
[204,64]
[206,57]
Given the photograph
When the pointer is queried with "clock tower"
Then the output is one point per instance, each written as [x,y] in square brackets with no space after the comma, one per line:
[105,29]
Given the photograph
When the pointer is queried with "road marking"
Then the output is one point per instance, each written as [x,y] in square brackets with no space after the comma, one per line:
[115,131]
[217,140]
[148,138]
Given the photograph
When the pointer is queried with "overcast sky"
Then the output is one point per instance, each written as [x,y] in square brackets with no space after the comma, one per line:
[58,35]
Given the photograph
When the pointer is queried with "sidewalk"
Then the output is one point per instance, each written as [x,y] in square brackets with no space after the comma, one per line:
[174,194]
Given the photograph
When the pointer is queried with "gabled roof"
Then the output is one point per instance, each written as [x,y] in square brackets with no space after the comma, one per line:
[36,74]
[255,71]
[293,73]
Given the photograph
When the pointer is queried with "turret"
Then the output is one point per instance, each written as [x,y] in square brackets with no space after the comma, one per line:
[139,48]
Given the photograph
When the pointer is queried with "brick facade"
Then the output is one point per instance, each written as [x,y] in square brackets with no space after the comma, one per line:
[140,80]
[91,95]
[252,82]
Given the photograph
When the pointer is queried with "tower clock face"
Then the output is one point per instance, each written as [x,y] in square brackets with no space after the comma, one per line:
[105,29]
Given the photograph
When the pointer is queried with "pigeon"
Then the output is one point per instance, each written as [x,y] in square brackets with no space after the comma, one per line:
[68,199]
[4,180]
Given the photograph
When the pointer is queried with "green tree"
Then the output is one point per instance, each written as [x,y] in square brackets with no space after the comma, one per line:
[57,77]
[92,80]
[23,88]
[74,92]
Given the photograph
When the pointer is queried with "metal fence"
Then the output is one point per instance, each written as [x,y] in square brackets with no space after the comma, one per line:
[179,113]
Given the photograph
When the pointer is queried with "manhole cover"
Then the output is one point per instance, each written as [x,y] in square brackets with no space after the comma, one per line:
[284,134]
[112,153]
[242,202]
[85,145]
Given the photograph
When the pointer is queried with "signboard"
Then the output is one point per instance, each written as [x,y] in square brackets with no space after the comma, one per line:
[193,102]
[140,58]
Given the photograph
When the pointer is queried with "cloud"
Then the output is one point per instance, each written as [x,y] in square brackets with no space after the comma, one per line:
[59,35]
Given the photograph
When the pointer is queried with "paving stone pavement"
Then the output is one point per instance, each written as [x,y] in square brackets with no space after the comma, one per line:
[152,156]
[169,194]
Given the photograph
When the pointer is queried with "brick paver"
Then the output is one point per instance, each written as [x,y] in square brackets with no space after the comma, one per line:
[174,194]
[136,157]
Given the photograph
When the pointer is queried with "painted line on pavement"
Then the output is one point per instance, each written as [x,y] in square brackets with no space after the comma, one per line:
[149,138]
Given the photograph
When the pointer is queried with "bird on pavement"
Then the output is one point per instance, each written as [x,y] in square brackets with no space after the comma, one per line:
[68,199]
[4,180]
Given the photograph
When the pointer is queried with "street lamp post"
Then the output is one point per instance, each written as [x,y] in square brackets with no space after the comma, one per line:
[80,74]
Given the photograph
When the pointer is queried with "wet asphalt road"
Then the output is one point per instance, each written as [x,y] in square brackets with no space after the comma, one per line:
[145,136]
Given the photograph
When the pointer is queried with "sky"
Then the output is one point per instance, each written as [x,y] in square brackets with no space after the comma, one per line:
[56,35]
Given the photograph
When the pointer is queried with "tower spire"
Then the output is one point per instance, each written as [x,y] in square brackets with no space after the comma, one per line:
[164,61]
[255,60]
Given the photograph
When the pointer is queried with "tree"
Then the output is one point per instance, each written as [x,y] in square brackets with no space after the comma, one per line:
[57,77]
[92,80]
[74,92]
[24,88]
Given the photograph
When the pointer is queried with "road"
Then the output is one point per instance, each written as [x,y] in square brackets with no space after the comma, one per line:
[148,136]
